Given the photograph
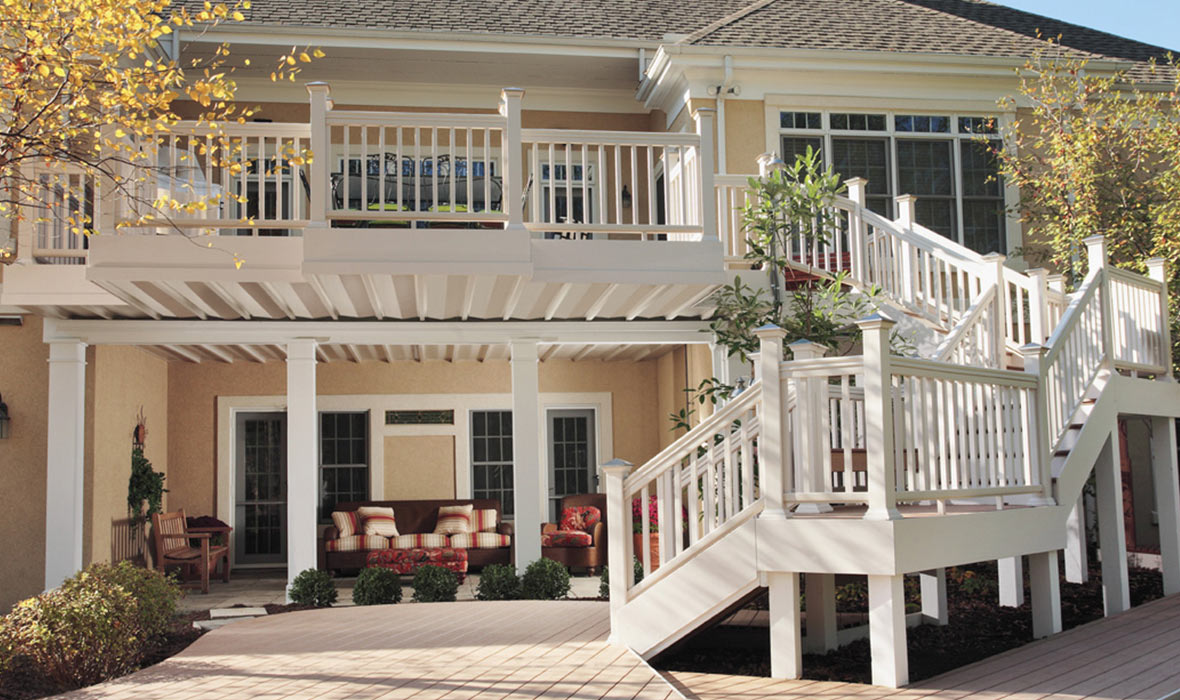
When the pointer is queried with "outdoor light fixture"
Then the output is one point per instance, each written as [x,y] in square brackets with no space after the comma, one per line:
[626,198]
[5,421]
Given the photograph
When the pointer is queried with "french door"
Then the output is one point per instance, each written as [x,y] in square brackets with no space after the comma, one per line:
[260,532]
[572,457]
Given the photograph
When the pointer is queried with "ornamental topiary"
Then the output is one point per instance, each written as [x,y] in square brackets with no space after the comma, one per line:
[154,594]
[435,584]
[545,579]
[498,582]
[313,587]
[377,586]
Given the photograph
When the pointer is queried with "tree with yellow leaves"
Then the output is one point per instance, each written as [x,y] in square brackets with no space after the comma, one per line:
[88,94]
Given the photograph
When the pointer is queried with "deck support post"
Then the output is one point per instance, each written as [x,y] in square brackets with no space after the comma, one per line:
[1010,572]
[933,584]
[1167,498]
[302,476]
[887,630]
[1077,565]
[1111,531]
[821,613]
[786,648]
[1045,591]
[64,468]
[528,479]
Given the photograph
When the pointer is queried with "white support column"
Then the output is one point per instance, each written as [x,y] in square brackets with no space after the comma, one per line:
[1112,539]
[786,648]
[302,477]
[720,359]
[775,442]
[821,613]
[1045,590]
[933,585]
[1077,565]
[1010,572]
[64,461]
[811,402]
[514,170]
[321,148]
[882,484]
[705,118]
[527,477]
[618,537]
[1167,498]
[887,631]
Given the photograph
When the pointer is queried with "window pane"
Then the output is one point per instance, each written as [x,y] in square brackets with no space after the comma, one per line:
[924,168]
[491,462]
[867,158]
[794,146]
[800,120]
[983,225]
[980,175]
[919,123]
[977,125]
[937,214]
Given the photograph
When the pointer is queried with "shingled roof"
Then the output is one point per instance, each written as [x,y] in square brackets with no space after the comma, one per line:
[947,27]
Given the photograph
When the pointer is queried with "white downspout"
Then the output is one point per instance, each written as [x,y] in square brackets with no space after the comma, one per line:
[726,82]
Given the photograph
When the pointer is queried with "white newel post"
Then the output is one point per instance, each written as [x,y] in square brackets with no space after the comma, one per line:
[887,631]
[882,484]
[64,461]
[1037,427]
[705,118]
[514,175]
[1157,269]
[810,405]
[321,149]
[857,243]
[994,262]
[772,449]
[1044,583]
[527,479]
[1167,498]
[1097,258]
[906,217]
[1038,306]
[302,477]
[618,537]
[1112,541]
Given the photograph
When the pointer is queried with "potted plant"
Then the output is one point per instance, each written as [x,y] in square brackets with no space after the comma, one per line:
[653,522]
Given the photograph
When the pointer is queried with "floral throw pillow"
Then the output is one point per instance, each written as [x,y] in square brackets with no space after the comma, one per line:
[453,520]
[580,518]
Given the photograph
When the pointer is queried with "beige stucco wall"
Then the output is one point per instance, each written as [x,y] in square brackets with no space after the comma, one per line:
[193,390]
[24,377]
[419,467]
[745,135]
[120,382]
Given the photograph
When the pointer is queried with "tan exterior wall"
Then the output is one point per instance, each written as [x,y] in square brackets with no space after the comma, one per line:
[745,135]
[193,390]
[672,379]
[25,371]
[419,467]
[121,381]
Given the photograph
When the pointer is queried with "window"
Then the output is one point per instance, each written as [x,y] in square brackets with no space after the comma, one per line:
[567,193]
[344,459]
[491,458]
[934,157]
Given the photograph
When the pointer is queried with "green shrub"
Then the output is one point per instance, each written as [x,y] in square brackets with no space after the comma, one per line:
[435,584]
[77,636]
[545,579]
[155,595]
[498,582]
[377,585]
[604,578]
[312,587]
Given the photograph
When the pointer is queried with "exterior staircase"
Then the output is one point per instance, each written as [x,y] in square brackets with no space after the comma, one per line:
[885,465]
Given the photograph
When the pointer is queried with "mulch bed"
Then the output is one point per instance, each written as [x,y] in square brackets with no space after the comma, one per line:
[978,628]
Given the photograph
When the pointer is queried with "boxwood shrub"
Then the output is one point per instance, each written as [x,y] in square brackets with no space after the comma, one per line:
[435,584]
[377,585]
[313,587]
[545,579]
[498,582]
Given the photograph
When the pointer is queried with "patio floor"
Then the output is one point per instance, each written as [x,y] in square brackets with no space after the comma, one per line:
[510,650]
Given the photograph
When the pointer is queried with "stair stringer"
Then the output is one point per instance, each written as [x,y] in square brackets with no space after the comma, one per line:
[705,584]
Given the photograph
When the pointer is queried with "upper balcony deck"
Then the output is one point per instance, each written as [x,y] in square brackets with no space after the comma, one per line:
[365,214]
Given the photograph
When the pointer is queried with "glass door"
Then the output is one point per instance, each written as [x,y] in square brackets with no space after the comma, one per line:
[260,530]
[572,458]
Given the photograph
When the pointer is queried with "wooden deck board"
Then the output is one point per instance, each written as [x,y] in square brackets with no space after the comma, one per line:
[1132,656]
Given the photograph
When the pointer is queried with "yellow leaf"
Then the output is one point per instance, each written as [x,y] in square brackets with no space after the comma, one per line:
[304,57]
[43,70]
[59,71]
[238,16]
[290,60]
[317,53]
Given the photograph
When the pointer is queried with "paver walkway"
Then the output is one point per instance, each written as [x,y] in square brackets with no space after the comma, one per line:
[511,650]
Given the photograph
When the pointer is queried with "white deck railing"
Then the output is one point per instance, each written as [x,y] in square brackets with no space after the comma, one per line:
[64,206]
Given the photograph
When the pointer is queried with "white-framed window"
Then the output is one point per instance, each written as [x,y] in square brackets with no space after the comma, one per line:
[936,157]
[568,192]
[491,458]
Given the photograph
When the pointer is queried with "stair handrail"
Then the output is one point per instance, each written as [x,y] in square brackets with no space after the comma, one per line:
[972,321]
[1067,368]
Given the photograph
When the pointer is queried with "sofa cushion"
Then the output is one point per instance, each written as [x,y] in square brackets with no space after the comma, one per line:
[453,520]
[484,520]
[480,540]
[580,518]
[347,523]
[423,540]
[378,521]
[567,538]
[356,543]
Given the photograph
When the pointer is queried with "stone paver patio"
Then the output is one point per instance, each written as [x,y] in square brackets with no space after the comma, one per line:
[511,650]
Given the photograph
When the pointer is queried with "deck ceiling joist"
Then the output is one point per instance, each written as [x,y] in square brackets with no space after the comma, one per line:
[451,353]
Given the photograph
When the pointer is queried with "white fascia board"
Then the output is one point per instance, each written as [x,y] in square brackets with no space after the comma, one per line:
[53,285]
[327,37]
[134,332]
[179,257]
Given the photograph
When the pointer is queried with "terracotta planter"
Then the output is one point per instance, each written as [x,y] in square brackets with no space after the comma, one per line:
[637,544]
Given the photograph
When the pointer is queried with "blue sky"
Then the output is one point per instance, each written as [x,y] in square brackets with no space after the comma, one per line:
[1151,21]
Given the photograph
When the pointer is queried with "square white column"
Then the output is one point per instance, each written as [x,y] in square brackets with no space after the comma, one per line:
[786,648]
[528,479]
[302,479]
[64,461]
[1112,539]
[1045,589]
[933,584]
[887,631]
[1010,572]
[821,613]
[1167,499]
[1077,566]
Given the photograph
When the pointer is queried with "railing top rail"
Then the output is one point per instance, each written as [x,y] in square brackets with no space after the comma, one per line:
[610,138]
[965,324]
[922,237]
[689,441]
[822,367]
[918,367]
[1072,315]
[415,119]
[193,128]
[1134,279]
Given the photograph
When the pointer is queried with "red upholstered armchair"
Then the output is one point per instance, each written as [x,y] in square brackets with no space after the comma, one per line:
[579,540]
